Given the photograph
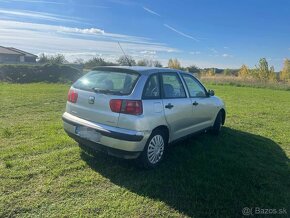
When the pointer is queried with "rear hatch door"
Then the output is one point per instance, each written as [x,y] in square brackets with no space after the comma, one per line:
[96,89]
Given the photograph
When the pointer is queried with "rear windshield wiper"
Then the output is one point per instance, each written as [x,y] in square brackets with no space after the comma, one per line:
[107,91]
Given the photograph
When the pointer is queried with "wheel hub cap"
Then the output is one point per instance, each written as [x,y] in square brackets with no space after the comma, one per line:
[155,149]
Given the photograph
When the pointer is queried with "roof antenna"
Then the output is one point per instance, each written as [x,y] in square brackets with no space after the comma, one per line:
[129,63]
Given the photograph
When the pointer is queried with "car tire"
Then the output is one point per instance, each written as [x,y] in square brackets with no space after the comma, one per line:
[154,150]
[217,124]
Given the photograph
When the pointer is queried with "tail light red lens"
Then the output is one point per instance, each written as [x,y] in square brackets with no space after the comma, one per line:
[115,105]
[133,107]
[72,96]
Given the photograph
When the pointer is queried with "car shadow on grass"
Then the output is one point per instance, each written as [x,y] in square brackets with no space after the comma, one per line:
[208,176]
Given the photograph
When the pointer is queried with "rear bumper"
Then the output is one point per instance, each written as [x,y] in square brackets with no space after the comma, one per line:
[126,135]
[111,137]
[105,149]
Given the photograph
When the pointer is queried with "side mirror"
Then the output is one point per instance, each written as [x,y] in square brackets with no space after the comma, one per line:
[210,92]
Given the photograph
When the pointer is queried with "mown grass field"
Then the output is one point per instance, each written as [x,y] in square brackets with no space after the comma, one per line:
[44,173]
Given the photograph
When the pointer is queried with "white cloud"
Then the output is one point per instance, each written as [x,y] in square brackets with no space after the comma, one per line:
[180,33]
[83,31]
[36,1]
[54,3]
[12,14]
[227,55]
[195,52]
[148,52]
[13,26]
[74,42]
[151,12]
[213,50]
[171,50]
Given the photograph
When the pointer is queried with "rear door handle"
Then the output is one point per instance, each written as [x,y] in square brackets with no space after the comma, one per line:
[169,106]
[195,103]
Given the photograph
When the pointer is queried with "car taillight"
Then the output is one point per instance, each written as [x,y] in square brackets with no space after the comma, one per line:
[115,105]
[133,107]
[72,96]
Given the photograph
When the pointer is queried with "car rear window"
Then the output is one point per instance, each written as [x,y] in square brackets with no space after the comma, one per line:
[108,82]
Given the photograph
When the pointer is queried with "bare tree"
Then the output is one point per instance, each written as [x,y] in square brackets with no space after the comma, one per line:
[174,63]
[126,60]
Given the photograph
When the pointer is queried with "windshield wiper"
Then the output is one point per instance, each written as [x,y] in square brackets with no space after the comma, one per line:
[107,91]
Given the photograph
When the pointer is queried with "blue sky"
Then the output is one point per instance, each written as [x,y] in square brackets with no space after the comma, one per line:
[206,33]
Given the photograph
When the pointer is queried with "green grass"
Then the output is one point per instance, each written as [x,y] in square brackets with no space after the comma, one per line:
[245,82]
[44,173]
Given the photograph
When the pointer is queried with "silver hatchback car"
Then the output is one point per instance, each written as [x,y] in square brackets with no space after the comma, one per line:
[135,112]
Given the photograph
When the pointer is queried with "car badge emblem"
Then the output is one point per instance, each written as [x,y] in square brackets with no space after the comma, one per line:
[91,100]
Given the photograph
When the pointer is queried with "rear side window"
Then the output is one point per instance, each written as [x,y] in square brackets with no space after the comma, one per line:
[110,82]
[152,90]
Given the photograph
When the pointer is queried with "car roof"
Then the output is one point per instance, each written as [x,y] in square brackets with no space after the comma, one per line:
[142,70]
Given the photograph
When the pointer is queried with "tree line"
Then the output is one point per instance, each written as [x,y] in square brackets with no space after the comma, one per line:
[264,73]
[98,61]
[261,72]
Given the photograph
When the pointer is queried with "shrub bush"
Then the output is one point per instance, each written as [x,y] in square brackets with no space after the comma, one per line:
[51,73]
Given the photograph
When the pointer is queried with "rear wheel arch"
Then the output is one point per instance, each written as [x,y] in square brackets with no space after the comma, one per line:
[145,158]
[164,129]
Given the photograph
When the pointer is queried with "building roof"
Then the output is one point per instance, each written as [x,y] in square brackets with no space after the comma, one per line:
[22,52]
[4,50]
[14,51]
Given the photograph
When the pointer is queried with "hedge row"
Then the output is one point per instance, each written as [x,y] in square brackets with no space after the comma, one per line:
[51,73]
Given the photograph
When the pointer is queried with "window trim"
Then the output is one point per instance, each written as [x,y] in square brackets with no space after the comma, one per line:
[146,83]
[112,70]
[198,82]
[162,88]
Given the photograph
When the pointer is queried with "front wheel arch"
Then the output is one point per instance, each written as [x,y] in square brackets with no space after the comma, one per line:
[218,123]
[223,114]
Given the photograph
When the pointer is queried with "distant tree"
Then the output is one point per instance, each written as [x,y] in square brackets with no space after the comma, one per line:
[95,62]
[285,73]
[255,73]
[53,59]
[126,60]
[43,58]
[227,72]
[143,62]
[272,75]
[244,72]
[174,64]
[210,72]
[79,61]
[193,69]
[58,59]
[157,64]
[263,69]
[149,63]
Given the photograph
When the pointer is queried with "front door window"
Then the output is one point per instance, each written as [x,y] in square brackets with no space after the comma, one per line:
[194,88]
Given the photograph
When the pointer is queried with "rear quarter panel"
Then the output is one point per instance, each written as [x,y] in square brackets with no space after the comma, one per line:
[152,117]
[153,113]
